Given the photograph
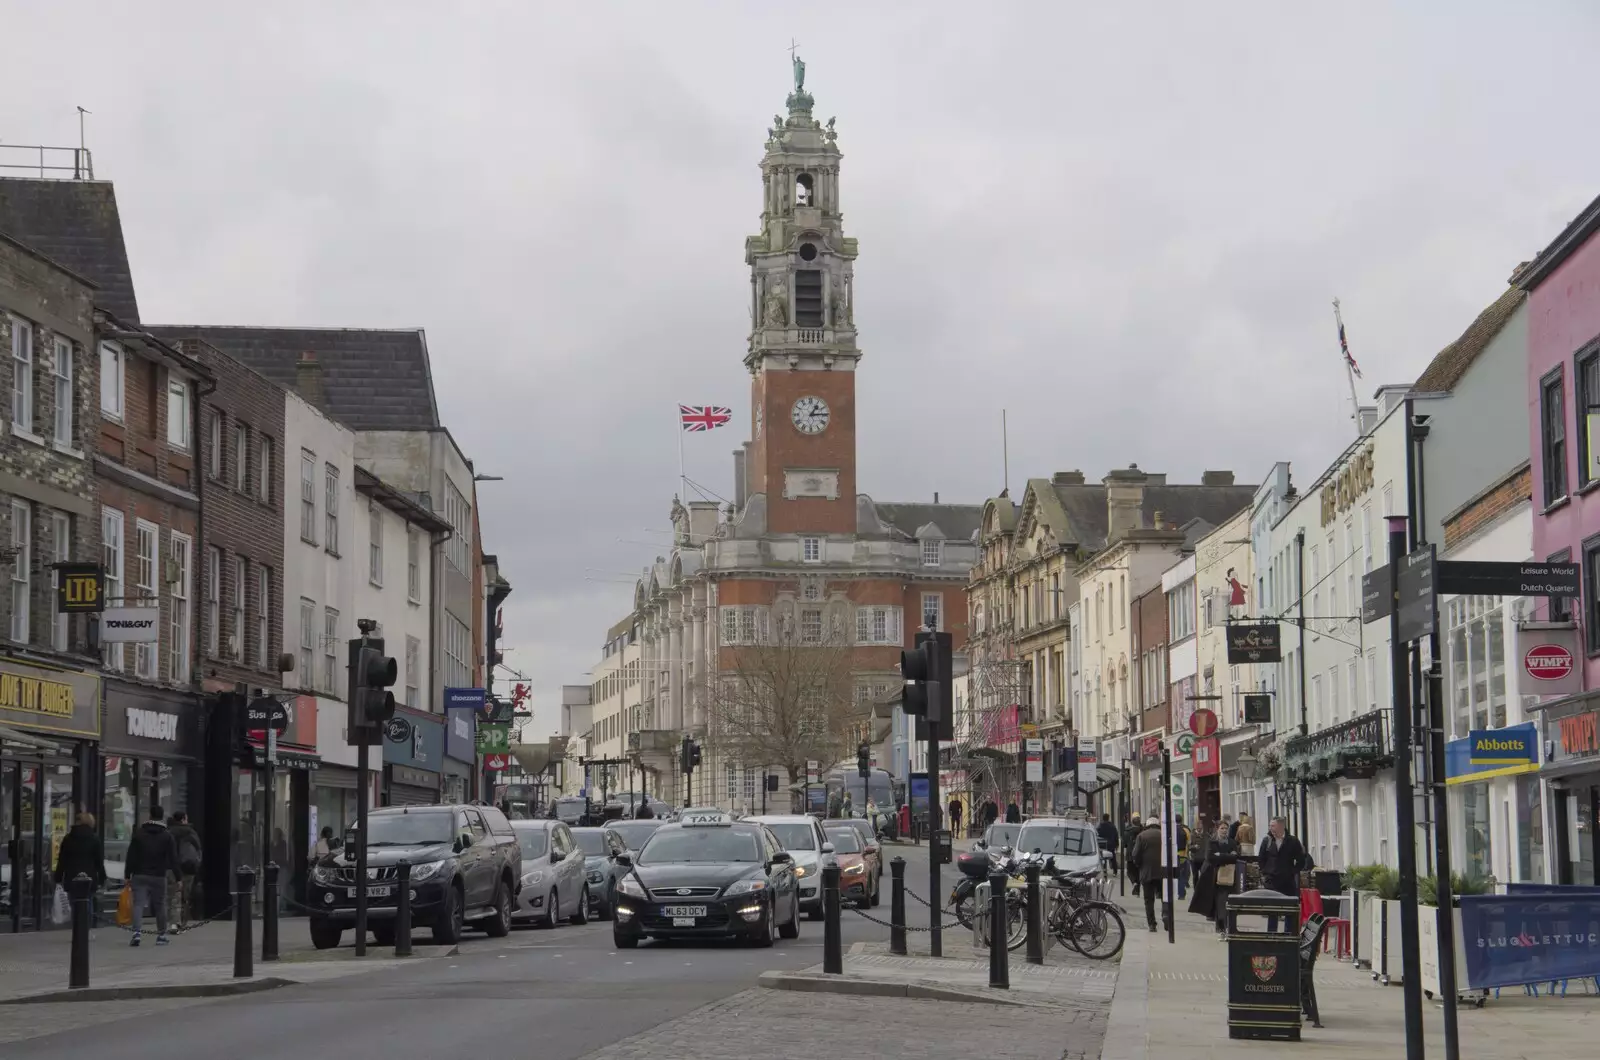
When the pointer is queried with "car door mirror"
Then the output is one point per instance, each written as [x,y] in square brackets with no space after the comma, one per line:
[783,857]
[827,848]
[982,844]
[624,858]
[869,849]
[555,856]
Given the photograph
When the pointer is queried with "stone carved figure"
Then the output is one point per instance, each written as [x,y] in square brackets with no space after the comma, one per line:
[838,303]
[831,133]
[777,127]
[776,313]
[799,74]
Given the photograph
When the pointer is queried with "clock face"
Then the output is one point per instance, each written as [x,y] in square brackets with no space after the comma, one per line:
[810,415]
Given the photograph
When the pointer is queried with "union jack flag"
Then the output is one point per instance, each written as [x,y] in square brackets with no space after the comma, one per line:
[704,417]
[1344,347]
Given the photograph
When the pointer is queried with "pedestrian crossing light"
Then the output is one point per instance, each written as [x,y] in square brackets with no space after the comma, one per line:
[864,759]
[694,755]
[372,674]
[916,666]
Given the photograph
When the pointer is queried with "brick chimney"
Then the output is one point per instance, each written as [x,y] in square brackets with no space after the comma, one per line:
[308,380]
[1216,478]
[1067,478]
[1124,501]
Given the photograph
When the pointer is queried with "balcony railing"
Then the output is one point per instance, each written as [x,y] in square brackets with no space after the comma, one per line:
[59,163]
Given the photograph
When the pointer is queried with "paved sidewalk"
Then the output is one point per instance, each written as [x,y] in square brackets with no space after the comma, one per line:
[1171,1000]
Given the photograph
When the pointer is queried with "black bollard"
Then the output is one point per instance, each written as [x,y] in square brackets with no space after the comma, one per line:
[402,910]
[244,885]
[832,945]
[1035,914]
[897,906]
[999,956]
[81,890]
[269,914]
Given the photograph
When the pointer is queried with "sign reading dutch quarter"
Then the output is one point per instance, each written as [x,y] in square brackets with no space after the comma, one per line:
[1419,606]
[152,724]
[130,625]
[80,588]
[1347,487]
[1253,642]
[1483,578]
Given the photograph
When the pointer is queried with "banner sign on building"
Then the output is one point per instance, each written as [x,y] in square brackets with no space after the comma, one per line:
[464,698]
[130,625]
[1033,750]
[80,588]
[1549,661]
[1207,757]
[1253,642]
[1516,746]
[1509,940]
[494,739]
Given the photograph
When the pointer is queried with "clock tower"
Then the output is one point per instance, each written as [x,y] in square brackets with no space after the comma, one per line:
[802,354]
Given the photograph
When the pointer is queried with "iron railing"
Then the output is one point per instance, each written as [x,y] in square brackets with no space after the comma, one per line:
[58,163]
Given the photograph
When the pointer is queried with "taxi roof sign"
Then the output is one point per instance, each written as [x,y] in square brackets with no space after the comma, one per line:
[705,820]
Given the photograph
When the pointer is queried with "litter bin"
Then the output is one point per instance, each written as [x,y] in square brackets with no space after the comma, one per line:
[1264,966]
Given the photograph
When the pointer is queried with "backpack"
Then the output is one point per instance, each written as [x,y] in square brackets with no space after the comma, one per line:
[189,856]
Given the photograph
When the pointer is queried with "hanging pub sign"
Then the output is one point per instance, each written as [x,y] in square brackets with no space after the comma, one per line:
[1258,708]
[1254,642]
[80,588]
[1549,660]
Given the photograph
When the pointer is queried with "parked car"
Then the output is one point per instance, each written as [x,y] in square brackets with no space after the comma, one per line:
[634,833]
[801,836]
[465,868]
[1074,844]
[600,848]
[869,843]
[555,883]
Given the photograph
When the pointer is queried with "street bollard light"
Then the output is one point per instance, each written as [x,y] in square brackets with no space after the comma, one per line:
[897,906]
[832,945]
[1035,915]
[999,956]
[269,914]
[82,893]
[244,885]
[402,910]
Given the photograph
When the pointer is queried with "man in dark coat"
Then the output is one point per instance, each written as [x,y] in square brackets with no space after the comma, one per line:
[1282,857]
[188,841]
[1130,835]
[81,852]
[1109,839]
[1145,859]
[152,855]
[991,812]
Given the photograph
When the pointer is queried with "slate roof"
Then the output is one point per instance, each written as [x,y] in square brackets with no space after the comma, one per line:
[958,521]
[74,223]
[374,379]
[1452,362]
[1087,517]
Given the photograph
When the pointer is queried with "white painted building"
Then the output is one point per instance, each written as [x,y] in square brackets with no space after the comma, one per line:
[318,554]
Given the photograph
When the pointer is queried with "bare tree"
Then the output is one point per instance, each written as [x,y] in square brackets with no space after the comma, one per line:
[786,701]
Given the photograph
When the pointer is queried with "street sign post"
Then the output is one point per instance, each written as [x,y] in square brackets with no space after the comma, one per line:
[266,714]
[1419,604]
[1482,578]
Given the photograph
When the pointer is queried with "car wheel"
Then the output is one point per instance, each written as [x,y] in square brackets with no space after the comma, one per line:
[498,926]
[447,929]
[325,934]
[769,920]
[605,904]
[791,929]
[624,942]
[552,908]
[581,917]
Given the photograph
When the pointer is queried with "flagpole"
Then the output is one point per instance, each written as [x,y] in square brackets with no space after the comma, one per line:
[1349,369]
[683,477]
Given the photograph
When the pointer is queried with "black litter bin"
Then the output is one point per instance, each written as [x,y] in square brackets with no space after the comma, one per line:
[1264,966]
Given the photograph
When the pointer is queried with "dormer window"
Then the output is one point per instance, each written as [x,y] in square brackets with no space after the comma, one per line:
[811,549]
[932,553]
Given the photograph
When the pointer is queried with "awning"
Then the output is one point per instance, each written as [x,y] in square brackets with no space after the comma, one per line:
[1104,777]
[27,741]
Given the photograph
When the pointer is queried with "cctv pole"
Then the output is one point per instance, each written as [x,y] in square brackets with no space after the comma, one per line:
[1405,800]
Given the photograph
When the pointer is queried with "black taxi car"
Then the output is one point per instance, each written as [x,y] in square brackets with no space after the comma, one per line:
[707,876]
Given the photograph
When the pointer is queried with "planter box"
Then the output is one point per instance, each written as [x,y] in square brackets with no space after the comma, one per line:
[1428,942]
[1385,936]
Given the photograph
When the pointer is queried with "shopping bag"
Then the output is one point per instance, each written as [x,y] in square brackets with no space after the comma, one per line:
[61,908]
[125,906]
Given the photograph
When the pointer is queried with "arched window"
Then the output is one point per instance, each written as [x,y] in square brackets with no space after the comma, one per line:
[804,193]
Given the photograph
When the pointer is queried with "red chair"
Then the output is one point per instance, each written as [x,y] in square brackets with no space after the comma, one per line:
[1337,934]
[1310,903]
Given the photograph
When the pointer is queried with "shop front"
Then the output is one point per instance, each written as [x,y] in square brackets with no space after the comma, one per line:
[460,753]
[1571,775]
[413,758]
[49,728]
[1496,820]
[272,819]
[151,757]
[334,784]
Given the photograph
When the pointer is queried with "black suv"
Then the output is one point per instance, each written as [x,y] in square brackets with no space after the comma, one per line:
[466,865]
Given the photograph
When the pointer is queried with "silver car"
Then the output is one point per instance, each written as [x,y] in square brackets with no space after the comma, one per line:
[555,884]
[801,836]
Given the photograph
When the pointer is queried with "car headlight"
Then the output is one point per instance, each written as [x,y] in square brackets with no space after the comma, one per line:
[799,871]
[324,874]
[855,870]
[630,886]
[426,871]
[745,886]
[531,879]
[597,877]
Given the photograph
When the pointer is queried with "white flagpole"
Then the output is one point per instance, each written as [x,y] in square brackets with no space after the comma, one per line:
[1349,372]
[683,477]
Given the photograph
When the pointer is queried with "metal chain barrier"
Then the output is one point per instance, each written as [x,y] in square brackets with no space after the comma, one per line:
[226,914]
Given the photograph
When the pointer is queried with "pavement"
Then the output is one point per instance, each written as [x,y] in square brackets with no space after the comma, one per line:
[1171,1000]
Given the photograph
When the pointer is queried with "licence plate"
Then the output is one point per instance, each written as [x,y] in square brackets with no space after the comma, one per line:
[683,912]
[373,892]
[683,921]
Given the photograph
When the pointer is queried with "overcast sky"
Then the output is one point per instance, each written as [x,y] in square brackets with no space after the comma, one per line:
[1124,229]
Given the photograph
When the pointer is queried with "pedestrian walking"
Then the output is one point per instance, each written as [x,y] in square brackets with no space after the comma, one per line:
[1218,878]
[1199,841]
[188,842]
[1145,860]
[325,844]
[643,813]
[1130,835]
[1013,812]
[1245,835]
[81,852]
[1109,839]
[1183,860]
[955,816]
[152,856]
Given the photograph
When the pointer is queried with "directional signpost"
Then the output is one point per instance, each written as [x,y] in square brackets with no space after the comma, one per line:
[1419,604]
[266,714]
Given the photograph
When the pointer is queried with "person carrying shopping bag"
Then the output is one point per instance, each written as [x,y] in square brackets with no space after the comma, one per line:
[152,857]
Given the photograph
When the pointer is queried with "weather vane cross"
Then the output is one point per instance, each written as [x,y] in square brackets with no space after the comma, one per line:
[799,65]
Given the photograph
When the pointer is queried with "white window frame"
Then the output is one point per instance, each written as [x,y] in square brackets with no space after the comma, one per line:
[812,625]
[1181,613]
[937,600]
[932,552]
[263,617]
[111,562]
[146,576]
[413,565]
[213,601]
[457,652]
[307,660]
[113,380]
[744,625]
[181,552]
[879,624]
[61,552]
[458,513]
[811,550]
[180,397]
[241,457]
[22,337]
[21,570]
[330,504]
[308,496]
[375,544]
[413,672]
[241,585]
[214,444]
[330,649]
[264,470]
[65,400]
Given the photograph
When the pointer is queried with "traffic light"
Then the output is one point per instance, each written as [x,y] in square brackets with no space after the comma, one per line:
[686,756]
[864,759]
[916,666]
[371,675]
[694,755]
[930,691]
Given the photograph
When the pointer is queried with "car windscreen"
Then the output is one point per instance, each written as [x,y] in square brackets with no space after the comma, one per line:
[679,845]
[1071,839]
[795,836]
[1002,835]
[844,840]
[570,809]
[634,833]
[592,843]
[535,842]
[410,829]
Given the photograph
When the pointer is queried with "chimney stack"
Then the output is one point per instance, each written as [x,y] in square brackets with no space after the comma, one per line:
[1067,478]
[936,496]
[308,380]
[1216,478]
[1124,501]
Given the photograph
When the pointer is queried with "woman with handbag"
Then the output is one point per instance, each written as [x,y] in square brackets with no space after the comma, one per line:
[1222,858]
